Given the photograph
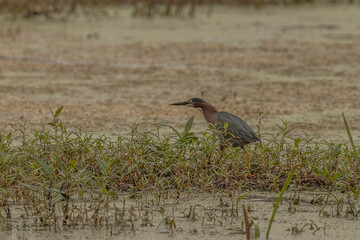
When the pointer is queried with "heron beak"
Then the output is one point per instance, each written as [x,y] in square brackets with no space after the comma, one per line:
[182,103]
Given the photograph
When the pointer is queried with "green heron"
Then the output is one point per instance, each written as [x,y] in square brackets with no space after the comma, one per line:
[231,129]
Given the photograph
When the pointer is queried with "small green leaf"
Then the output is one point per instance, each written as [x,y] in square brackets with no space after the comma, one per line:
[330,166]
[337,150]
[81,194]
[240,198]
[226,126]
[44,166]
[104,190]
[58,111]
[189,125]
[72,164]
[103,166]
[11,181]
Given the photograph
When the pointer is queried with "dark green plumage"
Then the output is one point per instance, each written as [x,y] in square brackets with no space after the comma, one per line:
[238,132]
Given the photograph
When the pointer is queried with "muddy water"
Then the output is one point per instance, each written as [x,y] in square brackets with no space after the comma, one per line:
[204,216]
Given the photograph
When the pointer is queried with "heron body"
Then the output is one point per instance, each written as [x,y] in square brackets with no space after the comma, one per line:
[237,132]
[232,130]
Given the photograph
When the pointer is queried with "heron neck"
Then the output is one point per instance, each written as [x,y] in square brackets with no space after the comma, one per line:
[209,112]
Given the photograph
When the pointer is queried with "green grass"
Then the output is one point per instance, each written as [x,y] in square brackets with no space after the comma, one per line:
[58,162]
[287,182]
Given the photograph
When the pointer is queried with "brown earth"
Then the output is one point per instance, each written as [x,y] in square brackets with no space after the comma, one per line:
[299,64]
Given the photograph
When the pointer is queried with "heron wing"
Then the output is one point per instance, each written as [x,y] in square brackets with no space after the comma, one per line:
[236,127]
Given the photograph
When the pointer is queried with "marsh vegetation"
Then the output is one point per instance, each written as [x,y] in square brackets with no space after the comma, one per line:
[60,175]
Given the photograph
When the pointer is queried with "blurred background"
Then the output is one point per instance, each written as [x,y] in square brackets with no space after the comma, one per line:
[50,8]
[113,63]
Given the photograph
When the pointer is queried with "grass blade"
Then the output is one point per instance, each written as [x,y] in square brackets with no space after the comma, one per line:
[177,133]
[44,166]
[58,111]
[348,131]
[257,229]
[57,199]
[29,187]
[287,182]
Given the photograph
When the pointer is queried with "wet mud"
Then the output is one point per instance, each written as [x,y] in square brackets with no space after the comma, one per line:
[198,216]
[298,64]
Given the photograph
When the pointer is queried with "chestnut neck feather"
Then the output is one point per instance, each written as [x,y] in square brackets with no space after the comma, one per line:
[209,111]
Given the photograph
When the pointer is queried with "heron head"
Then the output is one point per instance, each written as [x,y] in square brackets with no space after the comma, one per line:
[192,102]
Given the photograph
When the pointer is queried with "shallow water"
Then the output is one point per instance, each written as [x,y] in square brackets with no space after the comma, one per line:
[215,216]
